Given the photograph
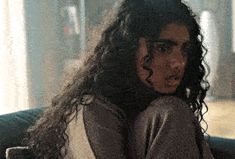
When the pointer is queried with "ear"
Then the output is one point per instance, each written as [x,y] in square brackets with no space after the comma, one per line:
[142,51]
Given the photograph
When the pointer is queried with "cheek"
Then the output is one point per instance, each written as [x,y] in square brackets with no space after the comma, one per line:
[142,73]
[160,69]
[185,63]
[159,66]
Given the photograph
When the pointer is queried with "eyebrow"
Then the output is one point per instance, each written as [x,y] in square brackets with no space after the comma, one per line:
[170,42]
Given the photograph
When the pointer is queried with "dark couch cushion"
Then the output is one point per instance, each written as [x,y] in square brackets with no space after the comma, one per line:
[222,148]
[13,127]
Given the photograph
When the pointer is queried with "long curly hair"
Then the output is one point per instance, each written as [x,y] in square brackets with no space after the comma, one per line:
[110,72]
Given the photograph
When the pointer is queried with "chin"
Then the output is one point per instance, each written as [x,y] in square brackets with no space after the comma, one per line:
[168,91]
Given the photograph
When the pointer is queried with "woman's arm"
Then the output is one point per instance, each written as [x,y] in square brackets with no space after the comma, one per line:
[166,129]
[105,126]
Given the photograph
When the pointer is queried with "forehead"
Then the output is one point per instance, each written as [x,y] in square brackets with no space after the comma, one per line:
[175,31]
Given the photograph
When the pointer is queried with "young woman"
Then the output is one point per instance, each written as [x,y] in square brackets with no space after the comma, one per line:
[138,95]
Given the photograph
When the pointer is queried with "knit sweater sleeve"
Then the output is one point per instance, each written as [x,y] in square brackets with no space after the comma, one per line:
[106,130]
[166,130]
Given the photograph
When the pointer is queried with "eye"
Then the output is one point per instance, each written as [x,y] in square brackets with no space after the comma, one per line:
[187,49]
[162,48]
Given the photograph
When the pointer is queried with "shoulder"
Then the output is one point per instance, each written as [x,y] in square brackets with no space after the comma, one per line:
[169,104]
[105,125]
[101,110]
[170,108]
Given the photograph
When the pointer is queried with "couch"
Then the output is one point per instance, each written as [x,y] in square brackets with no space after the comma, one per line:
[14,125]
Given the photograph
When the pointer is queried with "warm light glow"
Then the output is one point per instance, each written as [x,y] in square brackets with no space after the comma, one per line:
[72,11]
[13,72]
[233,24]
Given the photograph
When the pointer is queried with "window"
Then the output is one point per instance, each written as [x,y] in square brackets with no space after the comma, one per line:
[13,74]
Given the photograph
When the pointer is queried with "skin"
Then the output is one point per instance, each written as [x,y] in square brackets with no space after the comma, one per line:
[169,58]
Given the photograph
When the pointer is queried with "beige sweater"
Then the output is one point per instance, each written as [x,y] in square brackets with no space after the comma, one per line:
[79,146]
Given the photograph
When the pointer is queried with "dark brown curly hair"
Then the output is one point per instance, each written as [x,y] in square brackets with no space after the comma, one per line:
[110,72]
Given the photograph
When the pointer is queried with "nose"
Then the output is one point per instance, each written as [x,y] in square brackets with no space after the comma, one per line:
[177,63]
[177,60]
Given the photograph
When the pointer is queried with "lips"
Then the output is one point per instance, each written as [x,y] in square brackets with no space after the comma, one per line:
[173,80]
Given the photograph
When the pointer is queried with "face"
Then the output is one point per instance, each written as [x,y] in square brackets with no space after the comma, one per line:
[169,58]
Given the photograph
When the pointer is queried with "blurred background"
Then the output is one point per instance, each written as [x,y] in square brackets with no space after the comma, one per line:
[40,41]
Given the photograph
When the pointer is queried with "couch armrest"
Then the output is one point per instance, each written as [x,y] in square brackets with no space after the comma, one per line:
[13,127]
[19,153]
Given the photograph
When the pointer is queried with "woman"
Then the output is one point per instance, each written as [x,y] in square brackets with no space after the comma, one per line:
[139,94]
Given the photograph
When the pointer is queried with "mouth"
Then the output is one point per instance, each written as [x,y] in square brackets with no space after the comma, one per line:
[173,80]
